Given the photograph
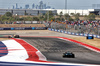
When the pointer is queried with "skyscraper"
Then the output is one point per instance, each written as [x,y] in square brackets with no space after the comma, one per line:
[41,5]
[13,7]
[16,6]
[20,7]
[33,6]
[37,7]
[44,6]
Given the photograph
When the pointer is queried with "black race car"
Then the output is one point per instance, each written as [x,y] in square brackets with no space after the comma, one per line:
[14,36]
[68,55]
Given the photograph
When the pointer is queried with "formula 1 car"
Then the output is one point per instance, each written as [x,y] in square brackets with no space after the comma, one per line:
[14,36]
[68,55]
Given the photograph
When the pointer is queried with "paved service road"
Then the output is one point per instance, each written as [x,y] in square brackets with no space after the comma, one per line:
[54,48]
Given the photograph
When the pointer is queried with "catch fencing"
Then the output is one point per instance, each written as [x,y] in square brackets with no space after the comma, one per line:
[84,29]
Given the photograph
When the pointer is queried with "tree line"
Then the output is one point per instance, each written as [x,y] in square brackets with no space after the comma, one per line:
[9,17]
[90,17]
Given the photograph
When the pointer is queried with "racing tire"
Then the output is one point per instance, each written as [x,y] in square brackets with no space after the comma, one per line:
[17,36]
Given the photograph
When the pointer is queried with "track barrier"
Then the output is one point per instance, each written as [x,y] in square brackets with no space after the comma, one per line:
[72,33]
[25,28]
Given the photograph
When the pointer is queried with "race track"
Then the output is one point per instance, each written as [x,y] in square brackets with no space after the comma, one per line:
[54,48]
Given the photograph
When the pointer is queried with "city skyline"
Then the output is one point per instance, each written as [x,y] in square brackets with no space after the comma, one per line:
[57,4]
[41,5]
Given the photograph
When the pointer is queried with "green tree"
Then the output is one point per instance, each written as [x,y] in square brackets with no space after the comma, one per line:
[72,14]
[45,16]
[5,18]
[77,16]
[67,16]
[70,19]
[35,18]
[61,13]
[48,15]
[8,14]
[85,17]
[28,18]
[52,18]
[41,17]
[91,17]
[21,19]
[51,15]
[57,19]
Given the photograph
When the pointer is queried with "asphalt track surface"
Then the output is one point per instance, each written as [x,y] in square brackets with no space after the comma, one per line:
[53,49]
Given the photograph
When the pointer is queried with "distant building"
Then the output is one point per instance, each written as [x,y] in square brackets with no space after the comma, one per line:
[16,6]
[13,7]
[33,6]
[20,8]
[53,8]
[48,7]
[81,12]
[28,11]
[3,11]
[37,7]
[44,6]
[43,11]
[41,5]
[27,6]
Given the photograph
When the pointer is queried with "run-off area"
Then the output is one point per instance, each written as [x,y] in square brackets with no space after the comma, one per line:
[53,49]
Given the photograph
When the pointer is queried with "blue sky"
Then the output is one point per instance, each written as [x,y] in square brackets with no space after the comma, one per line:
[58,4]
